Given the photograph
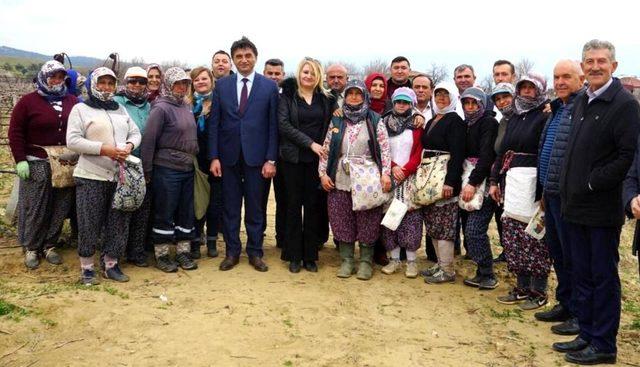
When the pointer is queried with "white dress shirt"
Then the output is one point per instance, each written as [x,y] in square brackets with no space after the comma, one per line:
[595,94]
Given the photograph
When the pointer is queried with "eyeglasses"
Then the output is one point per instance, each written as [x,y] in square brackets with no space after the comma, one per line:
[140,81]
[442,93]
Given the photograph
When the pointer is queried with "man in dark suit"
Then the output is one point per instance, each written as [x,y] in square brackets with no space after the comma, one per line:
[243,150]
[604,130]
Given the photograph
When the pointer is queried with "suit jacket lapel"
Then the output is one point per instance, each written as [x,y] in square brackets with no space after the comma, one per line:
[234,89]
[254,89]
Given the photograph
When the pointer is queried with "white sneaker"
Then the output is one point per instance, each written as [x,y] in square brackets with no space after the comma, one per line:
[412,269]
[392,266]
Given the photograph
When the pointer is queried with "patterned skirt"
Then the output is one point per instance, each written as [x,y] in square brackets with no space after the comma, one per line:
[348,225]
[525,255]
[408,234]
[440,221]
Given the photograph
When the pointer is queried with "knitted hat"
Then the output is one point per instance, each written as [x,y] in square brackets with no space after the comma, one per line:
[404,94]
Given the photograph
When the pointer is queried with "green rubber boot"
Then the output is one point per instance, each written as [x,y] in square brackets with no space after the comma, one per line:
[347,268]
[365,270]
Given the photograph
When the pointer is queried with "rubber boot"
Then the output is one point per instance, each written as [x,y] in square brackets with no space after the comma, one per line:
[365,270]
[347,268]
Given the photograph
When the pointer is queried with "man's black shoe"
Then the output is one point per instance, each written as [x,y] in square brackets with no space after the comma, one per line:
[311,266]
[571,346]
[294,267]
[569,327]
[590,356]
[556,314]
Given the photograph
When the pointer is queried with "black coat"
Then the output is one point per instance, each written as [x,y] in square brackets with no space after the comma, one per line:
[292,140]
[448,135]
[552,186]
[600,150]
[522,136]
[481,137]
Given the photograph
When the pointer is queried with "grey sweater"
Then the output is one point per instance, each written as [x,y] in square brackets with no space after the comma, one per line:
[170,137]
[89,128]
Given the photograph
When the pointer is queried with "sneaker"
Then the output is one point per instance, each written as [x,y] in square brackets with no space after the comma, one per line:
[52,256]
[195,250]
[489,282]
[392,266]
[185,261]
[412,270]
[31,259]
[165,264]
[473,282]
[515,296]
[430,271]
[89,277]
[534,301]
[440,277]
[116,274]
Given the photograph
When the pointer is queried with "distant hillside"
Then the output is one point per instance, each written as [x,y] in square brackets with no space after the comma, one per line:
[78,61]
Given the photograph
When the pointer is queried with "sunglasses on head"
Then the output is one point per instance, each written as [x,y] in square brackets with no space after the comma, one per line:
[140,81]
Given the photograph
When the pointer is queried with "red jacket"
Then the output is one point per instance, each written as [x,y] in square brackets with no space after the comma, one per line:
[34,121]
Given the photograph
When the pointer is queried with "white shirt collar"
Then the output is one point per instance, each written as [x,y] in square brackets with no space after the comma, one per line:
[250,77]
[595,94]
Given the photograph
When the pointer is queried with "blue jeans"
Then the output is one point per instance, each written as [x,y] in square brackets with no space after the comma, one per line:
[173,213]
[560,251]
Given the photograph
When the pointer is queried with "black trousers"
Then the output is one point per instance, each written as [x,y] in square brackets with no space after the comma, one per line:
[303,231]
[281,205]
[594,272]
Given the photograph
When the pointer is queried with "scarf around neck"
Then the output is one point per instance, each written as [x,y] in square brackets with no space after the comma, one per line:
[99,99]
[198,101]
[397,123]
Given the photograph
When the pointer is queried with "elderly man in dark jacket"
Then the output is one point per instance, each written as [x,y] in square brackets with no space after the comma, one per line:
[605,125]
[568,80]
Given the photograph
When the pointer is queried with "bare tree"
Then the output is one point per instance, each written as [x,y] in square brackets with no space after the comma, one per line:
[523,67]
[437,72]
[486,84]
[376,66]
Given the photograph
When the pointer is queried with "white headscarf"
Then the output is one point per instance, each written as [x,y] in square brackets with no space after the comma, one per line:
[453,97]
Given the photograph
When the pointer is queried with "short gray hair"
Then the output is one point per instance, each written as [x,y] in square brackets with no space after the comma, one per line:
[463,67]
[596,44]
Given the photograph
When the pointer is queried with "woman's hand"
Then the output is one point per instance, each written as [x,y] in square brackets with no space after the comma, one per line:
[385,181]
[496,195]
[418,121]
[327,183]
[319,150]
[338,112]
[398,173]
[635,207]
[447,191]
[467,192]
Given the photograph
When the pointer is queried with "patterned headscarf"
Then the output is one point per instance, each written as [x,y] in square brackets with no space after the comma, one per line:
[51,93]
[154,94]
[504,88]
[525,104]
[357,113]
[453,98]
[480,97]
[99,99]
[171,76]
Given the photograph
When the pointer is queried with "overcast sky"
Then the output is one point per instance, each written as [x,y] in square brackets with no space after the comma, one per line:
[445,32]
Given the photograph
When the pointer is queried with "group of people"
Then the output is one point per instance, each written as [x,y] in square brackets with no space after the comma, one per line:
[348,155]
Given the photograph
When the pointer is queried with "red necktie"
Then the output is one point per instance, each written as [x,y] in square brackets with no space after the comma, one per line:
[243,97]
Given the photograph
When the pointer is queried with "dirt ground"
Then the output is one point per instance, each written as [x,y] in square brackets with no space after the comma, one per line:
[245,318]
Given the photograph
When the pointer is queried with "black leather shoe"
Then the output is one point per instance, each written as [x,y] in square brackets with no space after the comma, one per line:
[258,264]
[229,262]
[569,327]
[194,252]
[311,266]
[294,266]
[556,314]
[589,356]
[571,346]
